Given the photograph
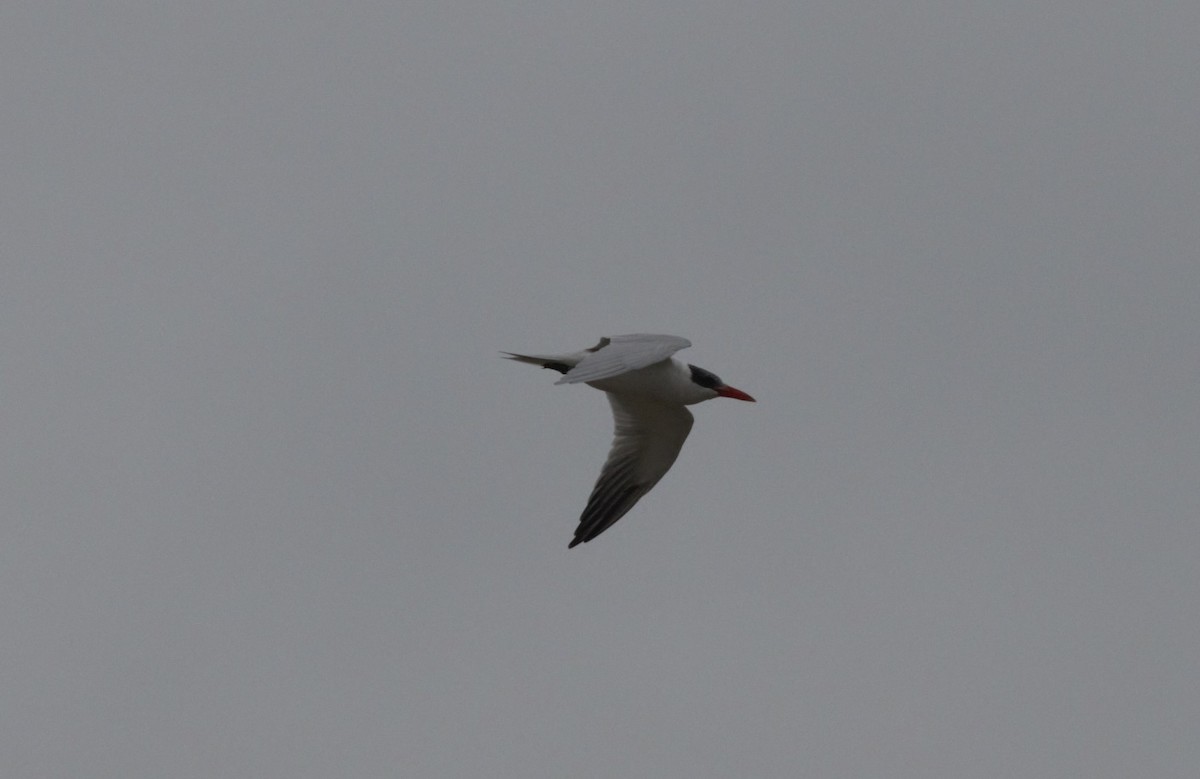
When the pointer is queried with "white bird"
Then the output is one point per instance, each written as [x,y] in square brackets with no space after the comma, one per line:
[648,389]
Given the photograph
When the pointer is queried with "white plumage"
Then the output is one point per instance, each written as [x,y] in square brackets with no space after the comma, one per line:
[648,390]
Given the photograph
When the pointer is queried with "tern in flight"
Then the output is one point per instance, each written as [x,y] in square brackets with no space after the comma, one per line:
[648,390]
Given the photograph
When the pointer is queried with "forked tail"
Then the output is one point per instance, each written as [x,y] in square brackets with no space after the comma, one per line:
[553,363]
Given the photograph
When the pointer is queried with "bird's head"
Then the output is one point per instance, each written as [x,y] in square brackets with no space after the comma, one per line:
[712,381]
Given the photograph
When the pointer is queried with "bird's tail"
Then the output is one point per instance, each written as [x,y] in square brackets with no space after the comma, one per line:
[553,363]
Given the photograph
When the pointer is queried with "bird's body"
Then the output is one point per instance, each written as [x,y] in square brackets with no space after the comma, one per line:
[648,390]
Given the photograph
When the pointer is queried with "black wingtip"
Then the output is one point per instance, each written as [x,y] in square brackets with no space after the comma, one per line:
[575,543]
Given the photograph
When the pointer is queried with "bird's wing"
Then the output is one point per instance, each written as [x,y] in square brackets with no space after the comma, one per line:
[621,354]
[646,441]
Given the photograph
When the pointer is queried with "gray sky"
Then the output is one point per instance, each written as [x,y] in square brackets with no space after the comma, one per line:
[274,507]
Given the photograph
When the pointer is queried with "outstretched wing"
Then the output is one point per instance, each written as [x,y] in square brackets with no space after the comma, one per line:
[646,441]
[621,354]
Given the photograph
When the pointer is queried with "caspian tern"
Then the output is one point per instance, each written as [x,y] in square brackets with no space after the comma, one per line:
[648,389]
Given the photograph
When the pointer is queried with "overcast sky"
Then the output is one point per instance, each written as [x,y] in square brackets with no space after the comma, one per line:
[273,506]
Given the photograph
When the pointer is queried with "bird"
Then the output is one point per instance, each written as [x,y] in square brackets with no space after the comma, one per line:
[649,391]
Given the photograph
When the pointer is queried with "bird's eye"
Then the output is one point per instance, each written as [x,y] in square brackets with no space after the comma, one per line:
[705,378]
